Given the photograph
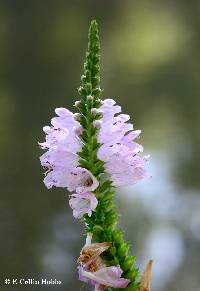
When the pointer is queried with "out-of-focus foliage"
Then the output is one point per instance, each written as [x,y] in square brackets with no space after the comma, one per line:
[150,61]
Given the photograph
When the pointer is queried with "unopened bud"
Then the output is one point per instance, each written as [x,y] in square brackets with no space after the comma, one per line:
[96,91]
[97,124]
[99,101]
[78,130]
[123,249]
[94,111]
[77,116]
[117,236]
[128,263]
[77,103]
[90,98]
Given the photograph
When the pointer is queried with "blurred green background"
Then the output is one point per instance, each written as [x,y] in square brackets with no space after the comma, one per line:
[151,66]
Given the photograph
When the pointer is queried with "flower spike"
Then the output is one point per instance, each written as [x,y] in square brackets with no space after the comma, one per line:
[90,153]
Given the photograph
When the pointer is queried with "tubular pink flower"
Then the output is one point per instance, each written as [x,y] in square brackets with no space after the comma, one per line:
[82,204]
[61,159]
[82,181]
[103,276]
[107,276]
[118,147]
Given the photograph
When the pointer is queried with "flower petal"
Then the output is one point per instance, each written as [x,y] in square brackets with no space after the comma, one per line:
[81,180]
[118,147]
[107,276]
[82,204]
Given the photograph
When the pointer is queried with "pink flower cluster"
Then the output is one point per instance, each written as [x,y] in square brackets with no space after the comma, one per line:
[119,151]
[61,160]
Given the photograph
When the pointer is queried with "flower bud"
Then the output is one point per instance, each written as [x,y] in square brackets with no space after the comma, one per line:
[123,249]
[90,98]
[97,91]
[77,116]
[112,251]
[82,91]
[131,274]
[97,124]
[94,111]
[97,231]
[83,78]
[77,103]
[78,130]
[117,236]
[128,263]
[99,101]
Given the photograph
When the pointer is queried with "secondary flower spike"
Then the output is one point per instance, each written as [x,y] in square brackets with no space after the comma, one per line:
[90,153]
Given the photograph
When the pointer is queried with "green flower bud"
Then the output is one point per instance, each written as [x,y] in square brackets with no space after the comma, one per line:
[88,74]
[114,262]
[82,91]
[123,249]
[96,59]
[95,81]
[129,274]
[105,186]
[128,263]
[96,92]
[117,236]
[83,79]
[77,103]
[134,286]
[107,196]
[90,98]
[97,230]
[112,251]
[77,116]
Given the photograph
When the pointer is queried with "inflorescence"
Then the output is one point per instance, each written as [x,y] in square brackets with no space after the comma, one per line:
[90,153]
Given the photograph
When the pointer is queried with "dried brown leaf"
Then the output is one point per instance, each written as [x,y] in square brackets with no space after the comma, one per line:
[145,284]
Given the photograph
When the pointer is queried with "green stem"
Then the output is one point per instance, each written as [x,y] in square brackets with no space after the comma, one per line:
[103,222]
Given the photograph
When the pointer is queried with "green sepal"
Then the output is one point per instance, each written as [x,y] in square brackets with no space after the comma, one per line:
[112,251]
[105,186]
[123,250]
[96,92]
[97,231]
[128,263]
[133,286]
[130,274]
[117,236]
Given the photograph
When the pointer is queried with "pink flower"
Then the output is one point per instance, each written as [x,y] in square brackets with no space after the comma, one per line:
[74,179]
[61,158]
[93,270]
[82,180]
[118,147]
[82,204]
[61,134]
[104,277]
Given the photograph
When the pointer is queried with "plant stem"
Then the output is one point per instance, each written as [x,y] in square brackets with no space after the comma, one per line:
[103,222]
